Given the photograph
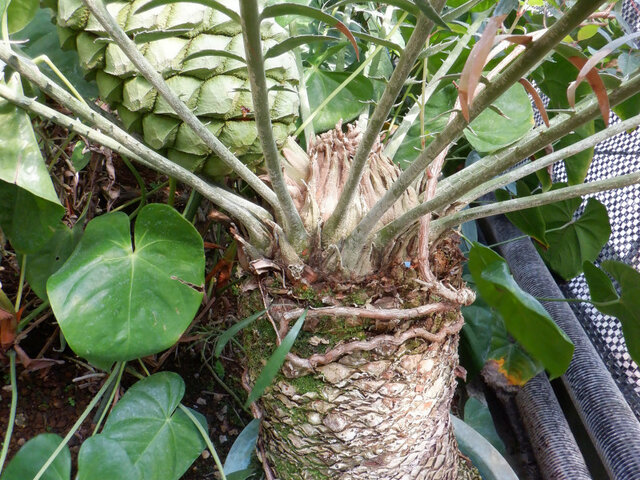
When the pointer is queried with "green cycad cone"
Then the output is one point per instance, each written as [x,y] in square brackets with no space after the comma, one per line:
[215,86]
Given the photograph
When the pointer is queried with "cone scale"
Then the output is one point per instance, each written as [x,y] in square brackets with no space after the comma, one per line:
[214,86]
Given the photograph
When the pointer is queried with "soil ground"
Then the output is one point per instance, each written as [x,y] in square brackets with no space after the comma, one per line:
[52,399]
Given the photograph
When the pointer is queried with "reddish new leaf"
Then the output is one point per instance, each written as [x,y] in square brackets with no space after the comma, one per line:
[222,270]
[476,61]
[347,33]
[536,99]
[8,324]
[602,53]
[596,83]
[517,39]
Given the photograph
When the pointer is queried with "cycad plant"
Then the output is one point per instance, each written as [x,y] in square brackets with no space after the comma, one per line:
[352,244]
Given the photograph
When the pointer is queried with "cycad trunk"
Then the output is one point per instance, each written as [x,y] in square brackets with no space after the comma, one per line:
[362,395]
[383,417]
[366,389]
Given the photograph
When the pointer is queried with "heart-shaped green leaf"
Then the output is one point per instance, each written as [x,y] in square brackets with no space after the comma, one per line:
[32,456]
[350,102]
[51,256]
[20,13]
[626,306]
[529,220]
[101,458]
[577,165]
[159,439]
[243,449]
[478,416]
[574,241]
[114,303]
[29,206]
[491,130]
[526,320]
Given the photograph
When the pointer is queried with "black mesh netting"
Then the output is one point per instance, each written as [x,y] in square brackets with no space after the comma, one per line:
[617,156]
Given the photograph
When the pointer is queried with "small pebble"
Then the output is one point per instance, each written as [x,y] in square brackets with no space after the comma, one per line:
[201,401]
[21,420]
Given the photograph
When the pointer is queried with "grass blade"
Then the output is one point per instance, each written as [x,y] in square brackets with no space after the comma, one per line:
[230,332]
[276,360]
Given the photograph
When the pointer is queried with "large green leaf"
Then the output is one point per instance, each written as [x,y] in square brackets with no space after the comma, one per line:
[32,456]
[478,416]
[41,38]
[159,439]
[20,13]
[626,306]
[577,165]
[486,344]
[526,320]
[491,131]
[51,256]
[530,220]
[114,303]
[101,458]
[346,105]
[29,206]
[435,120]
[573,241]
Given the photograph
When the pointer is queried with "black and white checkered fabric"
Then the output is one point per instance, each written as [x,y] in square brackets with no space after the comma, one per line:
[617,156]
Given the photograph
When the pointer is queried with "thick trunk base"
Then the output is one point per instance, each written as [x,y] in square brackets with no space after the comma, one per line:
[371,415]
